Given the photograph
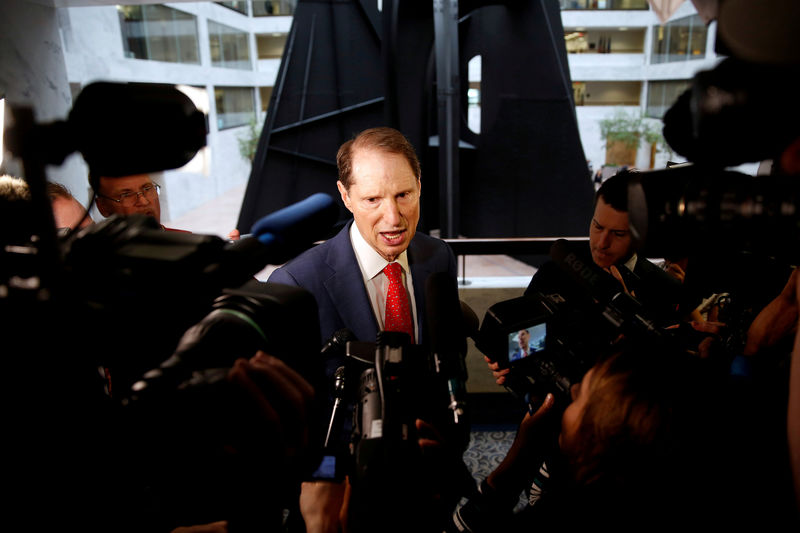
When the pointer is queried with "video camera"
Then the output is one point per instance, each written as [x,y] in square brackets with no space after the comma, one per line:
[162,315]
[566,329]
[379,392]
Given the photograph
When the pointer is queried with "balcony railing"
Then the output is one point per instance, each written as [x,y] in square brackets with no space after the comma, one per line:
[503,246]
[604,4]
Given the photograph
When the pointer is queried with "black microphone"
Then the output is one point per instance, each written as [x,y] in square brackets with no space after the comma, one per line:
[620,308]
[599,284]
[339,383]
[338,342]
[448,339]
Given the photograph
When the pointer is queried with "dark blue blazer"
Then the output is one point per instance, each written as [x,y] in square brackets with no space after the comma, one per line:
[331,273]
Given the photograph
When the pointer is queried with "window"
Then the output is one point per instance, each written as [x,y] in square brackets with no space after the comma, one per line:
[230,47]
[238,5]
[266,94]
[159,33]
[271,45]
[266,8]
[603,4]
[604,41]
[606,92]
[662,94]
[474,94]
[235,106]
[679,40]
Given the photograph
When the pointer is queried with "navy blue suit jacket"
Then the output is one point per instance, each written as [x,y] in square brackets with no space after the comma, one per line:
[331,273]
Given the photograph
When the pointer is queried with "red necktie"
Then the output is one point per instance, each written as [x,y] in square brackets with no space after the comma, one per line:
[398,310]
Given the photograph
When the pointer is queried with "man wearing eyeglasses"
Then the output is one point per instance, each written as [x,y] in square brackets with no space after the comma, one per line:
[128,195]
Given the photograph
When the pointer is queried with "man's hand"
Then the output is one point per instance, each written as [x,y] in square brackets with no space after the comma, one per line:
[214,527]
[777,320]
[676,270]
[498,373]
[323,505]
[281,402]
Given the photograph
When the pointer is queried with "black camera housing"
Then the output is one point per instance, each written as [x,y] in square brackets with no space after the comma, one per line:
[561,361]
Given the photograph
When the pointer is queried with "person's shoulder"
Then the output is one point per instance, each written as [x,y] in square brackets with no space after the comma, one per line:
[649,272]
[309,264]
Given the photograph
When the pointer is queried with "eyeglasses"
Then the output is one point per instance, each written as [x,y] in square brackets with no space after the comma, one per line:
[129,199]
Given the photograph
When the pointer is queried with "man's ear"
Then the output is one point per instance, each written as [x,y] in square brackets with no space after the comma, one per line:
[345,196]
[102,206]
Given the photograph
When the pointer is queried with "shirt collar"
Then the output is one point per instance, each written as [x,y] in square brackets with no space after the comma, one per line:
[372,263]
[631,263]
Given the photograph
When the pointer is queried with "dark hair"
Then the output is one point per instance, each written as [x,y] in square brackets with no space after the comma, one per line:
[652,420]
[94,181]
[614,190]
[383,138]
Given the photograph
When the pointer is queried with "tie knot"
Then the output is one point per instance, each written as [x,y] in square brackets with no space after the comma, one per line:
[393,271]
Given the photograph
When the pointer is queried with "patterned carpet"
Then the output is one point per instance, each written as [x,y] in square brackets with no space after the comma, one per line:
[487,447]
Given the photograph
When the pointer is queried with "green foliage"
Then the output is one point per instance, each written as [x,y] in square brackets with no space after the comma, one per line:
[629,129]
[248,141]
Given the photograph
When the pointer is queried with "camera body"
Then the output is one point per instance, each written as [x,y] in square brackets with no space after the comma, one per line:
[557,356]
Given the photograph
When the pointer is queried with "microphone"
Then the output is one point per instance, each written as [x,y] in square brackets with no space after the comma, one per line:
[285,233]
[598,283]
[338,342]
[339,383]
[445,312]
[163,128]
[620,308]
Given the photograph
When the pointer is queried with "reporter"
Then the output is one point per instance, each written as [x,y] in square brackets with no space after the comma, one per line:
[647,434]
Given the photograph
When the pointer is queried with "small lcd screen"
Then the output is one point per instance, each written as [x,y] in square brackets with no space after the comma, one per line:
[524,342]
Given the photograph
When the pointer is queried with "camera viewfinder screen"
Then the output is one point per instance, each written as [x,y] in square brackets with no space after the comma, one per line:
[527,341]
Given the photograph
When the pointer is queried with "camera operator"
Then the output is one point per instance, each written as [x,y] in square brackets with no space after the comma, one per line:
[610,248]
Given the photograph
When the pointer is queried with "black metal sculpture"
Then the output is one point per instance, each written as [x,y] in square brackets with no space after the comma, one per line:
[348,67]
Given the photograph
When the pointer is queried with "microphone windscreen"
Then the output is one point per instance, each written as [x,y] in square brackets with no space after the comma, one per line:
[584,271]
[290,230]
[122,129]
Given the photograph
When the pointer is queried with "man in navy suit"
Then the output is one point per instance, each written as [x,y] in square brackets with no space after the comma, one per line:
[379,181]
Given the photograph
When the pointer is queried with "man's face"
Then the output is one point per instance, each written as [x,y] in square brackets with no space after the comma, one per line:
[524,338]
[68,213]
[609,235]
[145,204]
[384,199]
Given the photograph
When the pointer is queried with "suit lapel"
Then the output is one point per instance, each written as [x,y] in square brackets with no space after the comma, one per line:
[346,288]
[420,271]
